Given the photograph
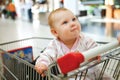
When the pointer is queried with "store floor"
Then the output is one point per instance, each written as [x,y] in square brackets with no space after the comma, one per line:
[11,30]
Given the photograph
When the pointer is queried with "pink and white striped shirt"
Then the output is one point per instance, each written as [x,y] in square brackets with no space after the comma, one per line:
[56,49]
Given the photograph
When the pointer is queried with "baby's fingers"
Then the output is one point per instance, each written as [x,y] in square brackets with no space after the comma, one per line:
[38,69]
[43,74]
[41,69]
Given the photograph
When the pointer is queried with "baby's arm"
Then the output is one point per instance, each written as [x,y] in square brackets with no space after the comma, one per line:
[45,59]
[42,64]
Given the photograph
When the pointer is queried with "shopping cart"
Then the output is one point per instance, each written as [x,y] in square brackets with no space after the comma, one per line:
[110,64]
[14,68]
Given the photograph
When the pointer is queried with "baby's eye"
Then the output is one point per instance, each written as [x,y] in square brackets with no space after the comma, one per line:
[73,19]
[65,22]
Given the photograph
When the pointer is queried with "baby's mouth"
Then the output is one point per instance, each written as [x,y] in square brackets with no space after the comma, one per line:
[73,29]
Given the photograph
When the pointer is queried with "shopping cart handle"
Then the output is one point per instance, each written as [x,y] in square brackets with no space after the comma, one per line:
[70,61]
[100,49]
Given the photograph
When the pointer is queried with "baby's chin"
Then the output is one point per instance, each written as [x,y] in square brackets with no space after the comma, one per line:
[74,36]
[76,33]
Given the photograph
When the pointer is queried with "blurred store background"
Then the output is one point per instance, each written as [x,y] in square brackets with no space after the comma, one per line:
[101,17]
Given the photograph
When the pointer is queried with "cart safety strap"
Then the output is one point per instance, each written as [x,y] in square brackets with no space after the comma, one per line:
[70,61]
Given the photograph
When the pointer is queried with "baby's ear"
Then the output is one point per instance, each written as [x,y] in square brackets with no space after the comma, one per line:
[54,32]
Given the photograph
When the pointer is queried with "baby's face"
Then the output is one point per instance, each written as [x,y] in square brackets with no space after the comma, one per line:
[67,26]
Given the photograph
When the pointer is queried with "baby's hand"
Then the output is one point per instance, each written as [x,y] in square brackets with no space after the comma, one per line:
[41,68]
[98,58]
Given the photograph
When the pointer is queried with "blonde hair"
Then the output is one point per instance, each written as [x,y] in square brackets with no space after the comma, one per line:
[51,17]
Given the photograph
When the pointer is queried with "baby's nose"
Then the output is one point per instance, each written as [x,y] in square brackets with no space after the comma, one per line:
[72,24]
